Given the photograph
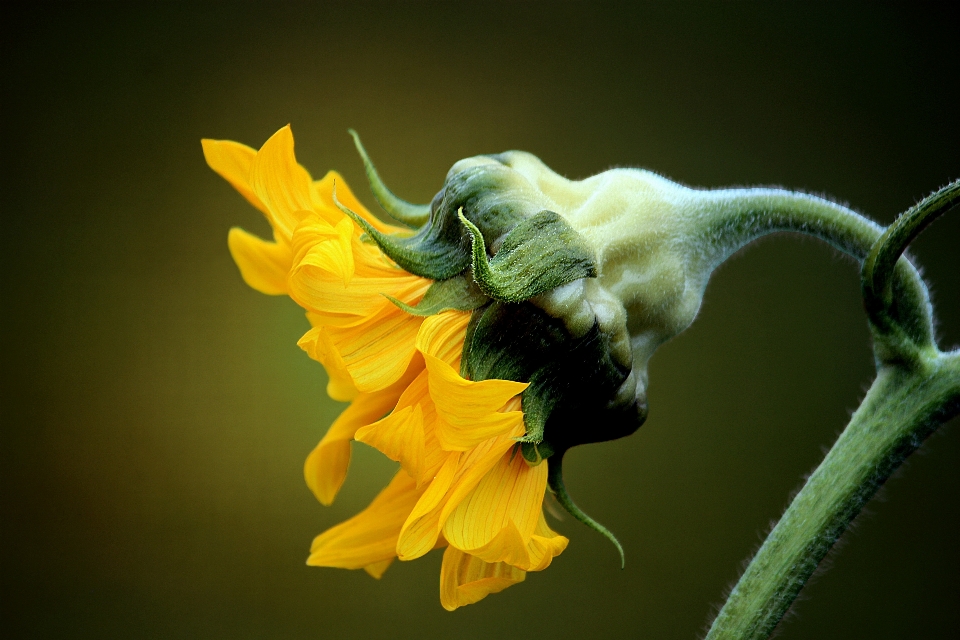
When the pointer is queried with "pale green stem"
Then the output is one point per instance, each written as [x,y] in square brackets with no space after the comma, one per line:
[729,219]
[902,408]
[916,390]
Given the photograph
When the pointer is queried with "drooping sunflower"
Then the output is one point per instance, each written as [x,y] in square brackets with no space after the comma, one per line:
[393,345]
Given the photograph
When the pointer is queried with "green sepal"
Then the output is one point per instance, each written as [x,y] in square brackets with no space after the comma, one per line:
[555,482]
[573,381]
[535,452]
[426,254]
[459,293]
[538,402]
[411,215]
[540,253]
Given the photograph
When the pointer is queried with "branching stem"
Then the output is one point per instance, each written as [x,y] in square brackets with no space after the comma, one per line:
[917,387]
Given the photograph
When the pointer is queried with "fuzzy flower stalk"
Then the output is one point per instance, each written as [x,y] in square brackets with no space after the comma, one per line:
[488,332]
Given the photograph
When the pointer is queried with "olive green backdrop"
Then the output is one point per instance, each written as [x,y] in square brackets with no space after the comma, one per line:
[156,412]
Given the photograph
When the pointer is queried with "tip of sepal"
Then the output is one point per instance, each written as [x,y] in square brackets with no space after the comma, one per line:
[535,452]
[454,294]
[406,252]
[555,482]
[412,215]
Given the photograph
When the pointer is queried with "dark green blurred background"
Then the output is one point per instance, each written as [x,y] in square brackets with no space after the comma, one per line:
[156,412]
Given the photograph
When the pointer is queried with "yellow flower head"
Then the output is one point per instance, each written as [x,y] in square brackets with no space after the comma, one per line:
[461,485]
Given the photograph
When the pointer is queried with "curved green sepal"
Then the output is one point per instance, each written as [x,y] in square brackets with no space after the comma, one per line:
[574,382]
[540,253]
[459,293]
[423,254]
[539,401]
[412,215]
[555,482]
[535,452]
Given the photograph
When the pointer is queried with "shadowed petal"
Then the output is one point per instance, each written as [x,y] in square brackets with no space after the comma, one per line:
[465,579]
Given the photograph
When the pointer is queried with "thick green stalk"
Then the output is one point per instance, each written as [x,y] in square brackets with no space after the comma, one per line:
[916,390]
[902,407]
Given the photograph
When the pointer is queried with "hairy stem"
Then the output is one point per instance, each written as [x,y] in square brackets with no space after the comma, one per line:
[878,267]
[729,219]
[917,389]
[902,408]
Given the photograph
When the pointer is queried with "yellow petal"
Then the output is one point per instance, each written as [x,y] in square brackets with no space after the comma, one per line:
[469,412]
[263,265]
[318,244]
[474,466]
[323,291]
[233,161]
[326,466]
[408,434]
[280,183]
[420,531]
[544,546]
[465,579]
[400,437]
[423,527]
[377,568]
[500,516]
[377,352]
[442,336]
[318,346]
[370,537]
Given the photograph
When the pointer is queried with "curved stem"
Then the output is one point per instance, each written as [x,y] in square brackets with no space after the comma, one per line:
[729,219]
[878,266]
[902,407]
[917,388]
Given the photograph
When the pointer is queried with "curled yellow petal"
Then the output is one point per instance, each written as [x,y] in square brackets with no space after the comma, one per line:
[326,466]
[282,185]
[370,537]
[423,527]
[316,243]
[377,352]
[400,437]
[420,531]
[497,521]
[263,265]
[233,162]
[465,579]
[316,342]
[323,291]
[469,412]
[442,336]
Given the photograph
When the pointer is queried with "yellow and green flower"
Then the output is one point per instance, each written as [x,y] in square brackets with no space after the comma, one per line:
[475,344]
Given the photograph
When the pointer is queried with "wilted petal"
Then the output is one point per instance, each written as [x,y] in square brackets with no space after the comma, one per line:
[465,579]
[469,412]
[233,161]
[282,185]
[370,537]
[263,265]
